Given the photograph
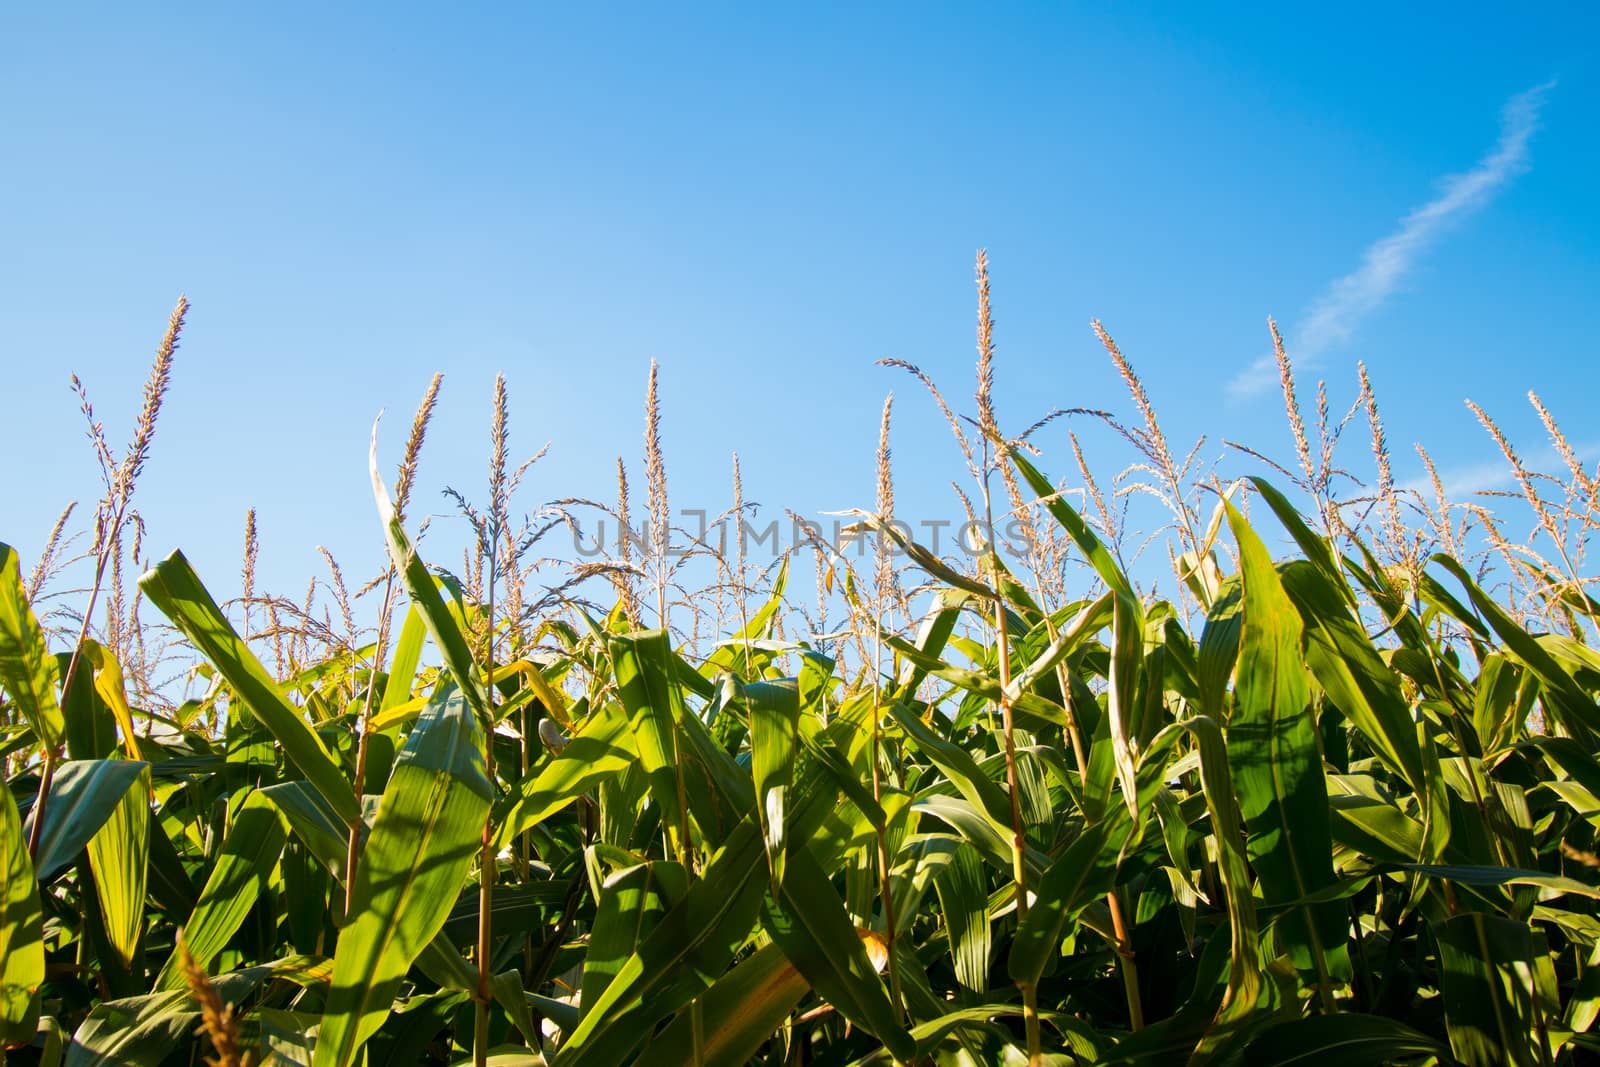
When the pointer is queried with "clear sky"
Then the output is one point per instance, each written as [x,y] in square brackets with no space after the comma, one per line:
[766,199]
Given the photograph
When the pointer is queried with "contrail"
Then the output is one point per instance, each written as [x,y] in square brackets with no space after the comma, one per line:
[1342,306]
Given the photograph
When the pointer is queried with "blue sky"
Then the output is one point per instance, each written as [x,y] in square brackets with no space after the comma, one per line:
[765,201]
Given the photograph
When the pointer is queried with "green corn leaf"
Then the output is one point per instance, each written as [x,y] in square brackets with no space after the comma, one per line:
[992,840]
[1080,1040]
[167,879]
[174,587]
[119,857]
[243,868]
[21,935]
[919,554]
[515,907]
[1338,1041]
[1088,622]
[632,902]
[403,665]
[964,900]
[959,767]
[729,656]
[143,1031]
[601,749]
[27,670]
[1246,987]
[505,1056]
[774,746]
[442,962]
[509,994]
[285,1038]
[1088,543]
[1496,702]
[1486,965]
[1350,670]
[90,730]
[82,797]
[739,1013]
[1435,594]
[1565,701]
[1100,778]
[1175,835]
[1375,828]
[654,703]
[1276,758]
[808,921]
[933,633]
[108,684]
[1493,876]
[134,1032]
[415,861]
[1083,873]
[697,938]
[920,857]
[1031,708]
[1219,647]
[412,1025]
[719,790]
[1127,660]
[1584,1006]
[1317,549]
[313,821]
[424,592]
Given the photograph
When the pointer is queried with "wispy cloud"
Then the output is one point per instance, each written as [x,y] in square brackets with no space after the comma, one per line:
[1341,307]
[1465,481]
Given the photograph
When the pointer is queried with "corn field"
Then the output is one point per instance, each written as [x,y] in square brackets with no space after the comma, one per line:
[1338,806]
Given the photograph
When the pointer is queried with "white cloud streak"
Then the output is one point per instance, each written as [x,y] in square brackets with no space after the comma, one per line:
[1466,481]
[1339,310]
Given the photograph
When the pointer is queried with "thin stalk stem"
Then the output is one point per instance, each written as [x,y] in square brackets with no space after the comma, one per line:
[52,755]
[1126,962]
[480,1035]
[886,886]
[1065,682]
[47,775]
[352,857]
[685,842]
[1360,980]
[524,840]
[1019,842]
[486,871]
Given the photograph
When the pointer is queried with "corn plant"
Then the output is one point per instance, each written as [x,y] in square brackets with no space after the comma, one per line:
[1323,808]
